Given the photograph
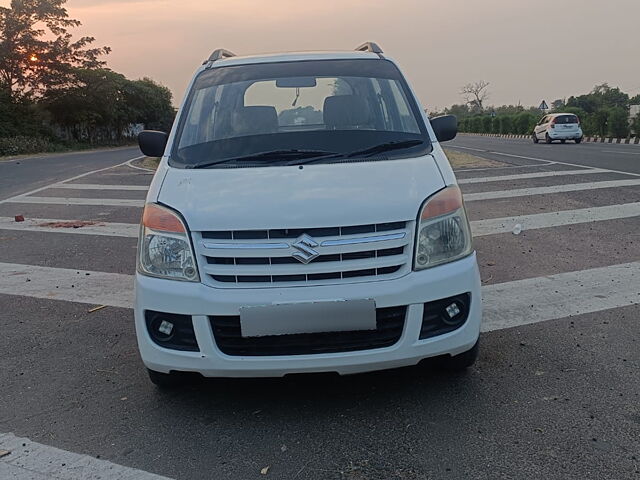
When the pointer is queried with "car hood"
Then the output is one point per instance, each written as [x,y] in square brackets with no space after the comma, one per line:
[321,195]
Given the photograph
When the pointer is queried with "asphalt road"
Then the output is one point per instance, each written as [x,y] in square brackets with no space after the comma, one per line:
[554,395]
[29,173]
[625,158]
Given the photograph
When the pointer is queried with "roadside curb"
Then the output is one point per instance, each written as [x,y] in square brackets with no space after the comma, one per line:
[136,163]
[596,139]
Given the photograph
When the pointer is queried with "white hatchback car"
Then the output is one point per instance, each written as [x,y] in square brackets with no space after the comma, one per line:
[303,218]
[558,126]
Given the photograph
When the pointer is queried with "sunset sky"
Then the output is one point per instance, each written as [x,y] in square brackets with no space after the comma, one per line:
[527,50]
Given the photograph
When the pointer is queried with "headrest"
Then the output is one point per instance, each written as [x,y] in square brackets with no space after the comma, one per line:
[346,111]
[255,120]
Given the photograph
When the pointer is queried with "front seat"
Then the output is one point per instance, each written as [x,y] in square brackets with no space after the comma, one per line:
[255,120]
[345,112]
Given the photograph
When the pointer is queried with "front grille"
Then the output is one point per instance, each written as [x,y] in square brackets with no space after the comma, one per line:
[389,326]
[293,233]
[267,257]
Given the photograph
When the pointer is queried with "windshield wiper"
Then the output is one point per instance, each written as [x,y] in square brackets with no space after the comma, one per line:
[367,152]
[268,155]
[384,147]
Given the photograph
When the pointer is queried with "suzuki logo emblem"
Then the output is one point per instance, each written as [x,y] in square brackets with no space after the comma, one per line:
[304,249]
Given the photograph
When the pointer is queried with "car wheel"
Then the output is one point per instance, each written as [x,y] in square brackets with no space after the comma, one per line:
[535,138]
[460,362]
[547,138]
[168,381]
[578,140]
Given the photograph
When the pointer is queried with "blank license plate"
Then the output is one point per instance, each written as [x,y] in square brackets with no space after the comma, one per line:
[290,318]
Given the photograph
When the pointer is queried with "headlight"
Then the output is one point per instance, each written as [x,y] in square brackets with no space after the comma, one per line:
[164,248]
[443,230]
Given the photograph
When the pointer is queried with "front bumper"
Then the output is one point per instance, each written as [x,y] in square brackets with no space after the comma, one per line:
[413,290]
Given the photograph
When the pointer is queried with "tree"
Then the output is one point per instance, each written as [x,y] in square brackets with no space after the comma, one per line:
[618,122]
[459,111]
[586,103]
[93,103]
[506,124]
[149,103]
[524,123]
[36,49]
[487,124]
[475,94]
[557,104]
[610,97]
[100,104]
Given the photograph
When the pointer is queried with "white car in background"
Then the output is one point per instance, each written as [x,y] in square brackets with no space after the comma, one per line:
[558,126]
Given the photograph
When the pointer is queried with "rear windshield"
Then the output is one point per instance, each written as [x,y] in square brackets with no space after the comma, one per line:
[566,119]
[327,106]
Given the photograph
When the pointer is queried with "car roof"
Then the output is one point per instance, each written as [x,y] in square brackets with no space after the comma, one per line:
[558,114]
[293,57]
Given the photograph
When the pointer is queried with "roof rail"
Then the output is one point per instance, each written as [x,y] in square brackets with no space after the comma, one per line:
[220,54]
[369,47]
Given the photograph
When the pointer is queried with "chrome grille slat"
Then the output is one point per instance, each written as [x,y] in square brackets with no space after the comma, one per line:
[301,269]
[352,243]
[264,258]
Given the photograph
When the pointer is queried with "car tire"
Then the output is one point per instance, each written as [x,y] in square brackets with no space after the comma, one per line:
[578,140]
[460,362]
[535,138]
[563,141]
[168,381]
[547,138]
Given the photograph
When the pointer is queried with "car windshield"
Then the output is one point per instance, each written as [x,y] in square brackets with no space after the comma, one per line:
[281,113]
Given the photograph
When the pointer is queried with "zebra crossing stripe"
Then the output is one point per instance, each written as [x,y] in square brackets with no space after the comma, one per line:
[48,225]
[551,297]
[108,202]
[493,226]
[99,288]
[572,187]
[27,460]
[91,186]
[506,305]
[525,176]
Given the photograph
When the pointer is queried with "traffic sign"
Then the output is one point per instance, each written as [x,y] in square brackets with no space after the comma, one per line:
[543,106]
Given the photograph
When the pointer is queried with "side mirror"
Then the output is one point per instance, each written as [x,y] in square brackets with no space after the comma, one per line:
[152,142]
[445,127]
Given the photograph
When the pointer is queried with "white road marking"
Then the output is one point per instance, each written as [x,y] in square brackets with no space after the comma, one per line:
[469,148]
[572,187]
[91,186]
[82,175]
[506,305]
[147,170]
[525,176]
[520,156]
[111,229]
[34,461]
[539,299]
[497,169]
[548,161]
[110,202]
[488,226]
[99,288]
[621,153]
[493,226]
